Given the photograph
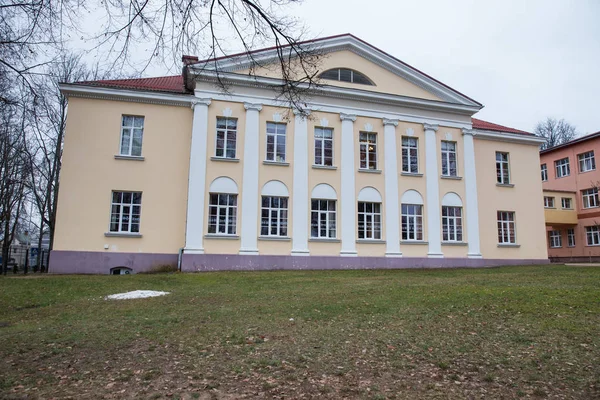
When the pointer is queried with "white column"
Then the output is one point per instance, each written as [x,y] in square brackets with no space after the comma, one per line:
[390,174]
[197,178]
[432,176]
[300,201]
[249,220]
[347,197]
[471,203]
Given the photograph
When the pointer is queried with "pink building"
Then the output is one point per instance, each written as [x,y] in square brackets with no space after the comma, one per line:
[572,208]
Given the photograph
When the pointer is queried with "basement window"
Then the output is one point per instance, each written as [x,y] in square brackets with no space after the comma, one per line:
[121,271]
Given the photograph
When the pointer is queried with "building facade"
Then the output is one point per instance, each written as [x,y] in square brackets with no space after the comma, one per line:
[388,169]
[570,183]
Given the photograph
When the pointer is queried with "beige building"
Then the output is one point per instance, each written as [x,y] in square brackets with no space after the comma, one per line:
[389,170]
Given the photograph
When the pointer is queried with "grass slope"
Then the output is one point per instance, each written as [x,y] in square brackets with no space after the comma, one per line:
[488,333]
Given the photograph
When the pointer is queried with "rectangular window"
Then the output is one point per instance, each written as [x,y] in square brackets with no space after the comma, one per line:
[410,155]
[544,173]
[322,219]
[452,224]
[590,198]
[125,212]
[368,150]
[555,239]
[369,220]
[412,222]
[449,158]
[222,213]
[226,137]
[562,167]
[548,202]
[592,234]
[132,132]
[276,142]
[502,170]
[324,146]
[587,162]
[506,227]
[567,204]
[571,237]
[274,216]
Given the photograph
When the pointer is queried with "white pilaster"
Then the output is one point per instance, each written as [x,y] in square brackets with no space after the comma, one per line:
[300,200]
[434,235]
[347,196]
[471,203]
[390,174]
[197,178]
[249,220]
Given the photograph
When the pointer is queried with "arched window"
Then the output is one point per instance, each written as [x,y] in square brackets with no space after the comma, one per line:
[274,209]
[323,212]
[369,213]
[412,216]
[346,75]
[452,223]
[222,206]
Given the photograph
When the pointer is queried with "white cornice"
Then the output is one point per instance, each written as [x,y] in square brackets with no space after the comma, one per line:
[508,137]
[350,43]
[92,92]
[340,92]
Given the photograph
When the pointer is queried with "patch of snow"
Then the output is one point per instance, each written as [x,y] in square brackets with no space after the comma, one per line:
[136,294]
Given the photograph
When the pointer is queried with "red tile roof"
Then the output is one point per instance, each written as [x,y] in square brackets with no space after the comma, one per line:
[167,84]
[174,84]
[488,126]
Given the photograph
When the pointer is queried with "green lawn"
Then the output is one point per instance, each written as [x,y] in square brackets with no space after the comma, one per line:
[486,333]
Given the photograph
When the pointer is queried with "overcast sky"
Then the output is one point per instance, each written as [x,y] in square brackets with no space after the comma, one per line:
[524,60]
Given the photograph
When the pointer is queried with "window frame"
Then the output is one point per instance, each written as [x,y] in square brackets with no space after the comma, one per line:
[406,155]
[412,227]
[132,129]
[587,195]
[281,217]
[374,232]
[592,232]
[563,167]
[562,203]
[324,215]
[322,140]
[226,134]
[447,158]
[507,225]
[503,168]
[227,209]
[277,137]
[121,204]
[549,202]
[581,158]
[571,237]
[544,172]
[555,239]
[452,226]
[368,81]
[370,155]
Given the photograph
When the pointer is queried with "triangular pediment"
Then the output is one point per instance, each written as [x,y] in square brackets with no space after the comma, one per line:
[388,74]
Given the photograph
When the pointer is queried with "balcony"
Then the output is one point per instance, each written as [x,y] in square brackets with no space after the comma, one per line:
[559,216]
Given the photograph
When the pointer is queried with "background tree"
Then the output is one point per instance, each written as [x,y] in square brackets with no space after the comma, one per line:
[555,132]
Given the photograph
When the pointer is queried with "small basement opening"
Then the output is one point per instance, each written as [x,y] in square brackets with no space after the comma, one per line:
[121,271]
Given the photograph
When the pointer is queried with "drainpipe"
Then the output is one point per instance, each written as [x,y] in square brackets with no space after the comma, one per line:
[179,256]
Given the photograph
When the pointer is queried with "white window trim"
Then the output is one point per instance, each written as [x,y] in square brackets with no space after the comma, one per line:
[408,156]
[507,226]
[227,130]
[455,231]
[582,161]
[276,138]
[227,209]
[544,169]
[121,204]
[592,195]
[328,220]
[132,127]
[595,232]
[370,153]
[562,203]
[549,202]
[504,166]
[571,237]
[323,140]
[278,221]
[555,239]
[560,165]
[363,215]
[411,224]
[446,155]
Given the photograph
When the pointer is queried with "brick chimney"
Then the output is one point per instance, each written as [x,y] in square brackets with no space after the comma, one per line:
[187,60]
